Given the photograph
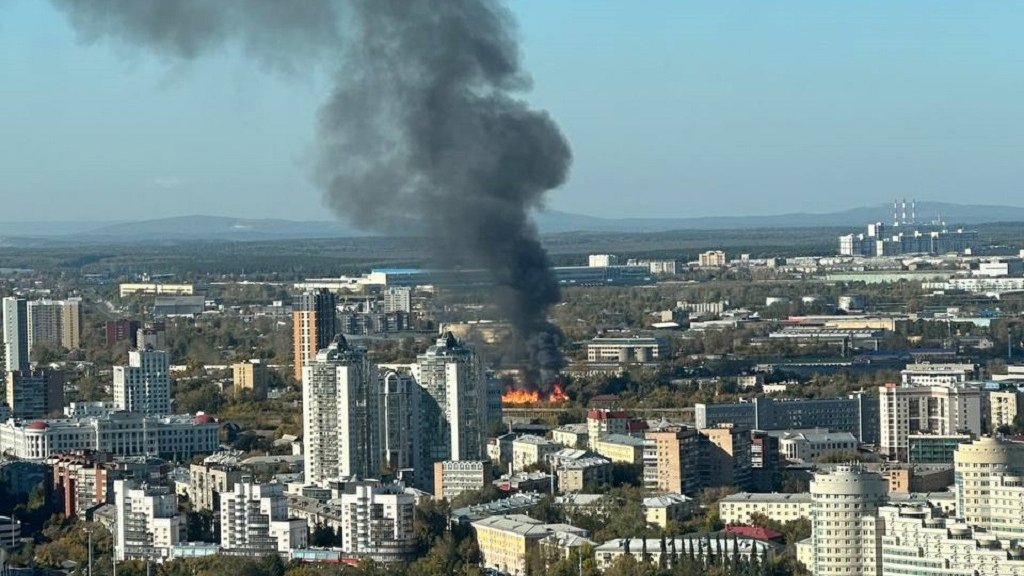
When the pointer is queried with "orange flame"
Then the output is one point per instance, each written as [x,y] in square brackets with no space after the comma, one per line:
[558,394]
[526,397]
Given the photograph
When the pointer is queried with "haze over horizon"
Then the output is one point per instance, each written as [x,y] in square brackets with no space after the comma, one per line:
[672,111]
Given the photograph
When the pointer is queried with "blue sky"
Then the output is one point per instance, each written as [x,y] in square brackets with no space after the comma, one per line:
[672,109]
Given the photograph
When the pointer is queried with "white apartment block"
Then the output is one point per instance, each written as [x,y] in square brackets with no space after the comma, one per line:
[254,521]
[121,433]
[340,392]
[853,534]
[844,530]
[918,542]
[602,260]
[453,406]
[738,508]
[807,446]
[937,374]
[625,350]
[453,477]
[398,299]
[148,525]
[144,385]
[936,409]
[377,521]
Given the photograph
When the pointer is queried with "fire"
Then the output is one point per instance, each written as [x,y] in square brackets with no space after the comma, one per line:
[521,397]
[558,394]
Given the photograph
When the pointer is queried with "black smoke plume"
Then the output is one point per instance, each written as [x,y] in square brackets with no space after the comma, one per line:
[424,130]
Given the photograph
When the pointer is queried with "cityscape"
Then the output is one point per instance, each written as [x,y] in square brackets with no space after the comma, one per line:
[443,371]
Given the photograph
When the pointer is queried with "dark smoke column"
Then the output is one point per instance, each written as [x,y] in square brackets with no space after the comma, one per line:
[425,130]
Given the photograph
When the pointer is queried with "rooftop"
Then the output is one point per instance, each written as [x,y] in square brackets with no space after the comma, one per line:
[800,498]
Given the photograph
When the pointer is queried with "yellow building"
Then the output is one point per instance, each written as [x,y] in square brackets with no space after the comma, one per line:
[151,288]
[252,376]
[738,508]
[621,448]
[506,542]
[660,510]
[1004,405]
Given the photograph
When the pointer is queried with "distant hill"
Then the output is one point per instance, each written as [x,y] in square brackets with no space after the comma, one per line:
[220,228]
[553,221]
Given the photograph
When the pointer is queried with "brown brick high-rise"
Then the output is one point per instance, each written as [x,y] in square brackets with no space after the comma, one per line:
[314,324]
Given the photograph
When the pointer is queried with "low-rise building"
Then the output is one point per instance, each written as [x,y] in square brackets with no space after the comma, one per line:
[571,435]
[507,541]
[529,450]
[527,482]
[808,446]
[738,508]
[665,508]
[520,503]
[626,350]
[701,546]
[919,478]
[620,448]
[577,474]
[453,477]
[120,433]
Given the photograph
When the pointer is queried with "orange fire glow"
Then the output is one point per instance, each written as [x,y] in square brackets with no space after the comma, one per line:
[518,397]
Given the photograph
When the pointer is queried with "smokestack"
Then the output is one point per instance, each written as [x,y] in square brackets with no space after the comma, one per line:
[425,129]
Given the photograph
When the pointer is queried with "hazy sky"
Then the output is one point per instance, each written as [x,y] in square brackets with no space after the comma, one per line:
[672,109]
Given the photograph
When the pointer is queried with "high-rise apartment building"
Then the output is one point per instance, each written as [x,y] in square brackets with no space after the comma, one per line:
[314,324]
[936,409]
[845,533]
[250,377]
[15,316]
[377,521]
[399,420]
[56,322]
[82,479]
[672,459]
[989,491]
[122,330]
[254,521]
[398,299]
[144,385]
[216,475]
[452,406]
[726,456]
[340,394]
[1004,406]
[148,525]
[151,335]
[34,393]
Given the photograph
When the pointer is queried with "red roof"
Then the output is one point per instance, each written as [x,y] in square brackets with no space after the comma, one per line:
[634,425]
[598,414]
[37,425]
[752,532]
